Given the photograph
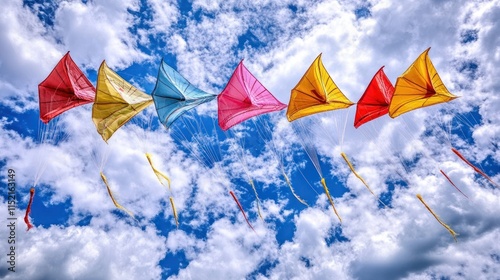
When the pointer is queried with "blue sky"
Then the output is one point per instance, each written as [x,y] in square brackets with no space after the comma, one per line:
[79,234]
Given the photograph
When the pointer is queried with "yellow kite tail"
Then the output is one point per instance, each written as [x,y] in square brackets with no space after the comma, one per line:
[291,188]
[112,197]
[160,175]
[330,198]
[454,234]
[257,199]
[174,211]
[359,177]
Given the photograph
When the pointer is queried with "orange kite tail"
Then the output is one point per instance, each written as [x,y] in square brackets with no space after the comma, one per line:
[241,209]
[474,167]
[28,210]
[451,182]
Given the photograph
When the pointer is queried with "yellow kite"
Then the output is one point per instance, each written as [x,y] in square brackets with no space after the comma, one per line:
[116,102]
[316,92]
[419,86]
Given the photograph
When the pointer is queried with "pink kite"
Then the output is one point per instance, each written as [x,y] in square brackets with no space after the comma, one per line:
[376,99]
[244,97]
[66,87]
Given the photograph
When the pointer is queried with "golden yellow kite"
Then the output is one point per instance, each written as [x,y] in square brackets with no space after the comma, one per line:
[116,102]
[316,92]
[419,86]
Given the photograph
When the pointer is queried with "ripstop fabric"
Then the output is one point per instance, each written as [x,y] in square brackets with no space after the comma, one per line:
[316,92]
[244,97]
[64,88]
[116,102]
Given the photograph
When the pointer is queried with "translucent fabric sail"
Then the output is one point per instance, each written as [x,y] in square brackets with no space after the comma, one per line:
[419,86]
[316,92]
[66,87]
[173,95]
[375,100]
[117,101]
[244,97]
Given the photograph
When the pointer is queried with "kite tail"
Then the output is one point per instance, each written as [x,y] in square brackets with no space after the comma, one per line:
[451,182]
[28,210]
[160,175]
[257,199]
[174,211]
[454,234]
[113,198]
[359,177]
[241,209]
[323,182]
[474,167]
[293,192]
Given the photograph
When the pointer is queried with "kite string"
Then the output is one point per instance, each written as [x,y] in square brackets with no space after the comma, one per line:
[344,129]
[203,149]
[263,129]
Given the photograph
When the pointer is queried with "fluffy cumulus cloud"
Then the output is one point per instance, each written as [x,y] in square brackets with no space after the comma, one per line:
[97,251]
[389,234]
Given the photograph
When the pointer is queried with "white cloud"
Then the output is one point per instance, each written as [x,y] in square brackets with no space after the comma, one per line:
[113,251]
[110,38]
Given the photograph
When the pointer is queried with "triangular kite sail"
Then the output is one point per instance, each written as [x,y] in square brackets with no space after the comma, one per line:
[316,92]
[244,97]
[117,101]
[66,87]
[173,95]
[419,86]
[375,100]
